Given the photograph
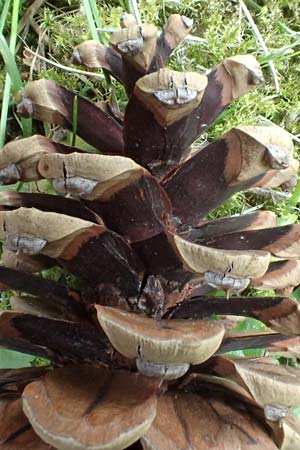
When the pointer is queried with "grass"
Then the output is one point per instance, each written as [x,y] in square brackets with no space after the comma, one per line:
[222,28]
[13,82]
[224,32]
[4,14]
[93,18]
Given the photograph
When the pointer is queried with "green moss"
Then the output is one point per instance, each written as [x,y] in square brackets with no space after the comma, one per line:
[225,32]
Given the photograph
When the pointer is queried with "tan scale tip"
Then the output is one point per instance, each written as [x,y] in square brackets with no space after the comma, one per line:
[242,263]
[86,408]
[160,342]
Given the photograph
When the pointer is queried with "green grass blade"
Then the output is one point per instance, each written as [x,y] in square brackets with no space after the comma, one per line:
[26,123]
[287,29]
[97,20]
[4,110]
[94,21]
[91,12]
[13,81]
[10,359]
[133,6]
[124,5]
[95,13]
[295,197]
[252,4]
[257,8]
[4,13]
[90,19]
[11,65]
[14,26]
[26,127]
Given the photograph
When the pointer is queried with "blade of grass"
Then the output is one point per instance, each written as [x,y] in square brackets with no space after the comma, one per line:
[95,13]
[262,43]
[90,19]
[135,11]
[13,81]
[93,28]
[287,29]
[93,19]
[4,13]
[11,65]
[124,5]
[257,8]
[254,5]
[4,110]
[7,86]
[282,53]
[10,359]
[295,196]
[14,26]
[97,21]
[286,57]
